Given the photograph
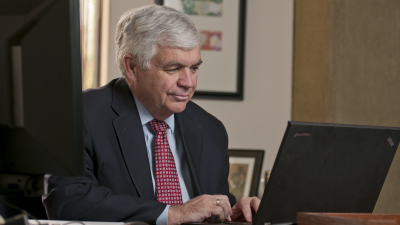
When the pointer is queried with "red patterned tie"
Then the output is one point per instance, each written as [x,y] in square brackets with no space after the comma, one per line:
[168,188]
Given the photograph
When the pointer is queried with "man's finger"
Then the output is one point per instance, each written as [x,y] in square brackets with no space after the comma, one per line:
[246,210]
[228,218]
[255,203]
[219,214]
[225,205]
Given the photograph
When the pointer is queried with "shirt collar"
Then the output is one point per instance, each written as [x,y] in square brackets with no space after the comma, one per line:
[145,115]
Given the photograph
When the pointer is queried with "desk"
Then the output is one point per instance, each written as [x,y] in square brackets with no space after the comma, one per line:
[346,218]
[61,222]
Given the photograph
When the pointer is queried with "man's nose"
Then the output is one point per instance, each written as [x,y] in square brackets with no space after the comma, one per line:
[187,78]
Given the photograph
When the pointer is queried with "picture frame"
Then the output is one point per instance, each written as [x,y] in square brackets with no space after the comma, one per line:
[245,171]
[222,23]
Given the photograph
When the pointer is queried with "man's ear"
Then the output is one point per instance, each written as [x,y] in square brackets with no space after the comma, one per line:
[131,66]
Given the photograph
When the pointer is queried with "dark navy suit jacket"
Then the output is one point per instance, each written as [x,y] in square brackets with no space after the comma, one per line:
[118,185]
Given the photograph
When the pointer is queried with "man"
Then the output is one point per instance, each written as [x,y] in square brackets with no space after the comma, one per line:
[148,147]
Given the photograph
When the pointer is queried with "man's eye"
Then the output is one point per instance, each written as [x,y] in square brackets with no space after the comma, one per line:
[195,68]
[173,70]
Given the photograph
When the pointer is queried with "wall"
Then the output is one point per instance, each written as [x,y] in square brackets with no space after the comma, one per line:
[259,121]
[117,8]
[346,70]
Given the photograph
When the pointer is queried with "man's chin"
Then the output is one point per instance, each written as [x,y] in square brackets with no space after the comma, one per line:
[178,107]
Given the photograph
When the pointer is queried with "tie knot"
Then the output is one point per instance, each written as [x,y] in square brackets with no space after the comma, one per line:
[158,126]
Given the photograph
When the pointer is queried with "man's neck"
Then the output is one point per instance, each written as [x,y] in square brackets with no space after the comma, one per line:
[146,116]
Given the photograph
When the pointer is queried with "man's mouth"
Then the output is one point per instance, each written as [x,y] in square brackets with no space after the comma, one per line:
[180,97]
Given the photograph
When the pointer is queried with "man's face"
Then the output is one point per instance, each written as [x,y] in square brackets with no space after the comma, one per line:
[169,84]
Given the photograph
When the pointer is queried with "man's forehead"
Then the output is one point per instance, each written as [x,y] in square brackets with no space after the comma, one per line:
[171,56]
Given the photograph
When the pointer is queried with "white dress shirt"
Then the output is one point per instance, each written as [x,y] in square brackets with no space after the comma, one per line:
[175,144]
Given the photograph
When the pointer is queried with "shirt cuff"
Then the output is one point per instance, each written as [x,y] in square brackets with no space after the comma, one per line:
[163,218]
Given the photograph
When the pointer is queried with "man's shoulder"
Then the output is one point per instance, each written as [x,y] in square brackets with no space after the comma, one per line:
[105,93]
[101,98]
[98,94]
[197,113]
[194,110]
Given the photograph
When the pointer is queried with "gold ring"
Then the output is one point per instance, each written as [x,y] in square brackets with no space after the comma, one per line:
[217,202]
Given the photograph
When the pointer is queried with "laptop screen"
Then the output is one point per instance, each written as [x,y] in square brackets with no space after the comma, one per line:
[327,168]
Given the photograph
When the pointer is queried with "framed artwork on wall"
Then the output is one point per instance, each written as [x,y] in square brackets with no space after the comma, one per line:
[244,172]
[222,23]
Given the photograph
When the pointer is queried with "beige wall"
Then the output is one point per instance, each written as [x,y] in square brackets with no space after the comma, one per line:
[259,121]
[346,70]
[117,8]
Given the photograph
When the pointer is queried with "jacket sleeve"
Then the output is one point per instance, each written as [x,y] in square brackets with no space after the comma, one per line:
[84,199]
[231,197]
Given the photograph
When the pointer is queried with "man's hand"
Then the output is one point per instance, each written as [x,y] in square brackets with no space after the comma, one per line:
[199,209]
[244,209]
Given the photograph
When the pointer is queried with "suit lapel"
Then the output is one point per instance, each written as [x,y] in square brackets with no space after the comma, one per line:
[192,139]
[131,139]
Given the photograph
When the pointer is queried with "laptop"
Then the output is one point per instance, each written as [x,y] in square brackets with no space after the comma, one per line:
[327,168]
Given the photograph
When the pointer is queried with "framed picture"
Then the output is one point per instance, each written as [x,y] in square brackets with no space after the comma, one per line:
[222,23]
[244,172]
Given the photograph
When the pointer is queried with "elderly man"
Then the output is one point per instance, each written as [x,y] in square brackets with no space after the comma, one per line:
[151,154]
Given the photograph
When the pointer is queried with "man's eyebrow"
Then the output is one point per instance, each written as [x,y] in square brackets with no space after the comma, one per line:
[172,64]
[198,63]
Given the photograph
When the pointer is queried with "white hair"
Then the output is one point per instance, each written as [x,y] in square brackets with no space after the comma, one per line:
[141,31]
